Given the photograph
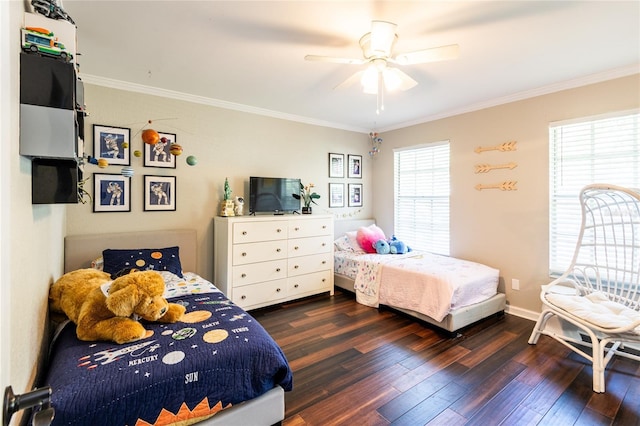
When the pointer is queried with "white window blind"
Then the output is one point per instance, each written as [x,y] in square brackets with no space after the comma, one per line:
[421,182]
[594,150]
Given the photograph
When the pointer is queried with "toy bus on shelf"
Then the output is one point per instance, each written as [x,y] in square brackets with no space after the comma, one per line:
[41,40]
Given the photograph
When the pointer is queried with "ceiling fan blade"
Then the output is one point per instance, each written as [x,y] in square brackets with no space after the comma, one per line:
[442,53]
[355,78]
[334,60]
[396,79]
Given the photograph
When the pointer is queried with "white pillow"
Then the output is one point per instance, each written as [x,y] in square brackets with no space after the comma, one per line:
[353,242]
[342,244]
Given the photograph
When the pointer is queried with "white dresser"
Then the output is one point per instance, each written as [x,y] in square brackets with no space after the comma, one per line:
[264,260]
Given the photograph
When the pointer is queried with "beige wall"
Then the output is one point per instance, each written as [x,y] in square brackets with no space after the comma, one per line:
[226,143]
[507,230]
[31,236]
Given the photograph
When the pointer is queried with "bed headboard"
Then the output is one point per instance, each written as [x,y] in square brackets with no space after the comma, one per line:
[80,250]
[340,227]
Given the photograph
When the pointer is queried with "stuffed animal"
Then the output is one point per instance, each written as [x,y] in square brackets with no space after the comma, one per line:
[382,247]
[80,295]
[397,246]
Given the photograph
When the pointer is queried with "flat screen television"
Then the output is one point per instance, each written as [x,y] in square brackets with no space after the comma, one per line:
[273,195]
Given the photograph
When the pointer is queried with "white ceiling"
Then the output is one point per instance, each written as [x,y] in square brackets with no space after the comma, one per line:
[249,55]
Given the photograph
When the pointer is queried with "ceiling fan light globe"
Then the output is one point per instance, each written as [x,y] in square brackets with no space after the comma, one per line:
[392,81]
[369,80]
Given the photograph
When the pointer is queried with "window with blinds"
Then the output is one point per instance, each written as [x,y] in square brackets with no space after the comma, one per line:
[421,184]
[602,149]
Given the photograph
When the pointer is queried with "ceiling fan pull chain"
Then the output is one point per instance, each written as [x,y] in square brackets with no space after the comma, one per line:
[380,106]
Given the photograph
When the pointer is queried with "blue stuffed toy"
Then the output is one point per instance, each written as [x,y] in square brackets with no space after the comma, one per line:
[397,247]
[382,247]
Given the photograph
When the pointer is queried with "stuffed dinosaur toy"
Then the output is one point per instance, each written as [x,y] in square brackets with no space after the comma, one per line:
[392,246]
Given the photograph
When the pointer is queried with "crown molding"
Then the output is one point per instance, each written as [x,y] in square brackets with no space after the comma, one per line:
[171,94]
[544,90]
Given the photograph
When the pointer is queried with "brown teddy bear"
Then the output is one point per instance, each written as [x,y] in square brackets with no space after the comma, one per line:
[79,295]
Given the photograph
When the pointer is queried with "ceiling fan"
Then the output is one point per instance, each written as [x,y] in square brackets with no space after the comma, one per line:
[377,48]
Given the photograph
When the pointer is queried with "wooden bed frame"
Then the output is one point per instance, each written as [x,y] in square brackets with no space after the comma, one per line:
[455,320]
[80,250]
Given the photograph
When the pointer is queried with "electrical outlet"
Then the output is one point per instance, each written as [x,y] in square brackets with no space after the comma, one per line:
[515,284]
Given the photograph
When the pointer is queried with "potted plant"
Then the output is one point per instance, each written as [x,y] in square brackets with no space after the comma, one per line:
[307,197]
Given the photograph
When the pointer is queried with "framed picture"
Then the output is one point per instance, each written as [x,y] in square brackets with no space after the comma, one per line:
[111,193]
[112,144]
[336,165]
[355,166]
[355,195]
[159,155]
[159,193]
[336,195]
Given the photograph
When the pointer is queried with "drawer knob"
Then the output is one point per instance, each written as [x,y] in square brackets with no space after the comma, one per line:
[324,226]
[295,248]
[297,229]
[296,286]
[324,262]
[244,232]
[277,290]
[278,250]
[277,269]
[244,253]
[324,244]
[324,279]
[279,230]
[244,275]
[243,297]
[296,267]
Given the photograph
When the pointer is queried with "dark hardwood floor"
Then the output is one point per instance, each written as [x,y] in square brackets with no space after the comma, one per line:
[355,365]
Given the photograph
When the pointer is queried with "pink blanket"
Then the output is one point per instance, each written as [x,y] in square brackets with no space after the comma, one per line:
[430,284]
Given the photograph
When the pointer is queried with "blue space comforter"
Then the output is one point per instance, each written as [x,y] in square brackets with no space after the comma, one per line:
[216,357]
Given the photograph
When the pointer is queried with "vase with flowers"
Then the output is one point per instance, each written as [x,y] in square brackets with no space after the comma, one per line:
[307,196]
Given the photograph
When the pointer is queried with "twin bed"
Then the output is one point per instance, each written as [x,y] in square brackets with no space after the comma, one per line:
[446,292]
[217,366]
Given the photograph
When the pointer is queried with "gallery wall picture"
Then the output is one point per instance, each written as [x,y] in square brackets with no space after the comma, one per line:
[111,193]
[336,165]
[355,195]
[159,193]
[336,195]
[112,143]
[159,154]
[354,166]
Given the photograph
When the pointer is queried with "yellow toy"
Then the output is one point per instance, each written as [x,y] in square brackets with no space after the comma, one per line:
[80,296]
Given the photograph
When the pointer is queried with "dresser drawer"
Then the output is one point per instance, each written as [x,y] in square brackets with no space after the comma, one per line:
[309,283]
[259,252]
[311,245]
[257,272]
[260,294]
[307,264]
[310,227]
[248,232]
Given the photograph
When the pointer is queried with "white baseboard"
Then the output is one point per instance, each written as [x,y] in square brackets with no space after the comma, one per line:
[522,313]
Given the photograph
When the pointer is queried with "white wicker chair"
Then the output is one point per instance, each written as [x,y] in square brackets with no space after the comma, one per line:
[600,292]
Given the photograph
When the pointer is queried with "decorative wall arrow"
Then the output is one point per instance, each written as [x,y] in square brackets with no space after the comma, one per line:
[507,146]
[508,185]
[486,168]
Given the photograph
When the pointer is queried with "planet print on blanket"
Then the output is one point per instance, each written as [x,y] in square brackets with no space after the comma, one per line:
[215,336]
[195,316]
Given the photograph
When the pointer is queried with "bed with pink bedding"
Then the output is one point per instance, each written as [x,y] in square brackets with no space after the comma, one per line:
[448,292]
